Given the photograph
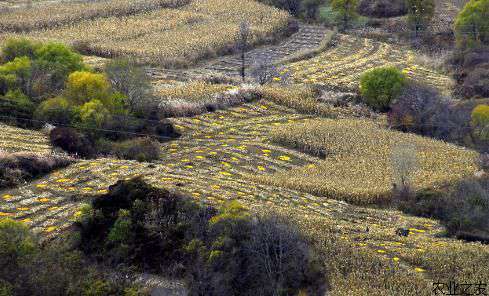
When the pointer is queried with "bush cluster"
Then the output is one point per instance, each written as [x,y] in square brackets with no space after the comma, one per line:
[463,208]
[140,149]
[48,83]
[382,8]
[307,9]
[380,86]
[470,69]
[17,168]
[29,269]
[218,252]
[421,109]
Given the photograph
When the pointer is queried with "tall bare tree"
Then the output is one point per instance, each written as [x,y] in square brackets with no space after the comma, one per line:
[404,162]
[242,43]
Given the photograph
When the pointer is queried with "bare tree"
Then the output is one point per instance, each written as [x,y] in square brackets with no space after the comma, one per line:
[263,71]
[130,79]
[242,43]
[404,162]
[282,255]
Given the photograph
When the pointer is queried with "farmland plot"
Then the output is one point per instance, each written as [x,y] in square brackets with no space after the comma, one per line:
[357,164]
[55,14]
[341,66]
[172,37]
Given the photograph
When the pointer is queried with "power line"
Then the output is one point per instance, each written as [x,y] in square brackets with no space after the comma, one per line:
[87,128]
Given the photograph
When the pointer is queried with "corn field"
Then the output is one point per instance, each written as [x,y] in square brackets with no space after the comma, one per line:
[169,36]
[357,163]
[341,66]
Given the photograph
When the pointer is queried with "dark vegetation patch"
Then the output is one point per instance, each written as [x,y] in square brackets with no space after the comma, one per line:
[422,110]
[470,69]
[18,168]
[462,208]
[382,8]
[29,268]
[219,252]
[306,9]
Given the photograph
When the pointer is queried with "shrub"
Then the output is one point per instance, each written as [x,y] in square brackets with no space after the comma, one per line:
[71,141]
[414,107]
[14,48]
[472,24]
[55,62]
[480,115]
[15,75]
[225,253]
[477,82]
[27,268]
[483,162]
[480,121]
[422,110]
[16,246]
[292,6]
[94,115]
[17,168]
[55,110]
[469,67]
[82,86]
[17,108]
[382,8]
[131,80]
[467,210]
[140,149]
[346,10]
[380,86]
[159,223]
[274,258]
[463,208]
[16,241]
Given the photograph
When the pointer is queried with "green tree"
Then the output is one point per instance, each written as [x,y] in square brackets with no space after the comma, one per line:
[420,13]
[53,63]
[82,87]
[472,24]
[380,86]
[94,114]
[14,48]
[55,110]
[346,11]
[16,245]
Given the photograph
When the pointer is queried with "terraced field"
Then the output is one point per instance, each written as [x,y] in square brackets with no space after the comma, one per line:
[307,37]
[179,34]
[341,66]
[213,162]
[14,139]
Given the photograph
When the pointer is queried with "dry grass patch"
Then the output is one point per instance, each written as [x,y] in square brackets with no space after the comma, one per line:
[197,97]
[358,159]
[305,99]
